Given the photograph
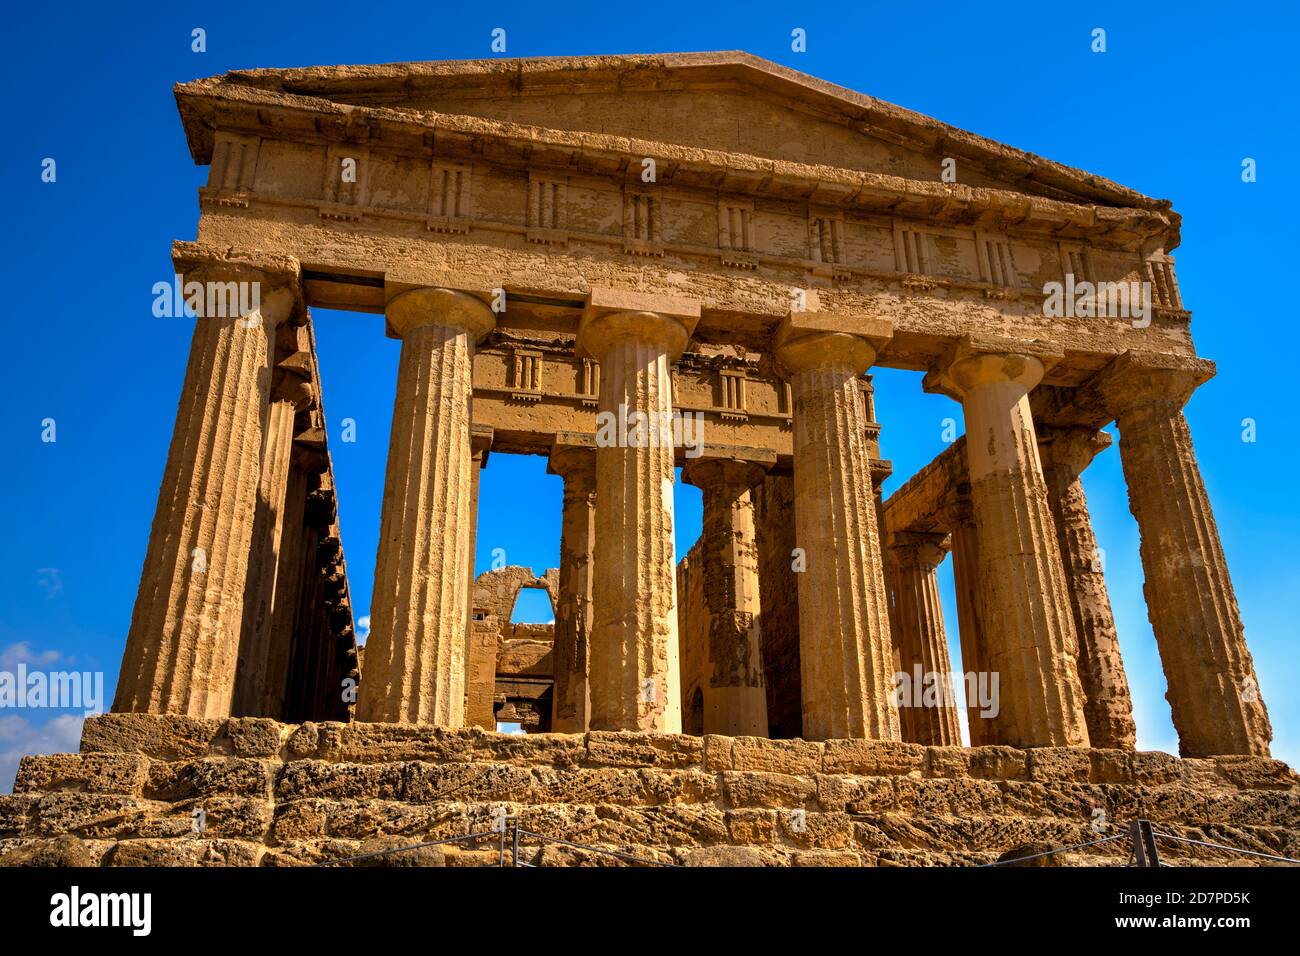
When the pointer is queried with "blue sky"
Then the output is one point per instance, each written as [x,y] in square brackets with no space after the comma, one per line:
[1181,96]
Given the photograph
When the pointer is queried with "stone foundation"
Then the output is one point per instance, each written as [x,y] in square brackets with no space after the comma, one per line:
[281,794]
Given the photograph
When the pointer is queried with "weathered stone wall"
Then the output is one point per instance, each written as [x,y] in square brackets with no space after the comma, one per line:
[279,794]
[779,601]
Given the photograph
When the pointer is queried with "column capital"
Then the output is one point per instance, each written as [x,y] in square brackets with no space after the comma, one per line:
[1135,380]
[922,549]
[573,458]
[718,470]
[275,269]
[415,308]
[480,442]
[1072,449]
[615,315]
[975,360]
[810,340]
[275,281]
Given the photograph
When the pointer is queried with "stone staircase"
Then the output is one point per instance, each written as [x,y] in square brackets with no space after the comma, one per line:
[275,794]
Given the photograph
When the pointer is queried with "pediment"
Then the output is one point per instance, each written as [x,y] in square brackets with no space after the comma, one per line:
[732,103]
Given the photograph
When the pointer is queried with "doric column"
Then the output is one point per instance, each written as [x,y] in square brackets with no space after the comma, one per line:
[414,664]
[1213,692]
[970,619]
[1107,708]
[735,700]
[845,650]
[928,712]
[256,692]
[305,461]
[480,445]
[1029,628]
[573,458]
[183,644]
[634,675]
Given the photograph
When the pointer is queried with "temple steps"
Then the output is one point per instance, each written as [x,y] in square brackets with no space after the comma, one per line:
[281,794]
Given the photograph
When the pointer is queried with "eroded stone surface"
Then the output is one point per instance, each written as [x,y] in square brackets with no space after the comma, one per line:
[671,798]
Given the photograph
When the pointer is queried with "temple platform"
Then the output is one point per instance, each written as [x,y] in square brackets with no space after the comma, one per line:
[173,791]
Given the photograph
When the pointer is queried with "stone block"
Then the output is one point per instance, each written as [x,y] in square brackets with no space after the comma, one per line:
[619,785]
[950,762]
[607,748]
[680,786]
[253,737]
[554,750]
[948,797]
[776,756]
[751,826]
[855,794]
[1060,765]
[211,776]
[61,851]
[658,826]
[717,752]
[998,763]
[758,789]
[814,830]
[163,736]
[489,782]
[1152,768]
[316,778]
[873,758]
[122,773]
[1256,773]
[716,856]
[15,813]
[825,858]
[1110,766]
[364,742]
[90,815]
[163,852]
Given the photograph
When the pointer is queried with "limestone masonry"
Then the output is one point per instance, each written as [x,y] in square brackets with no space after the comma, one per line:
[631,264]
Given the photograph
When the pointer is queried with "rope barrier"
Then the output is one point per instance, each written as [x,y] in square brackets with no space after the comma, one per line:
[1064,849]
[1223,846]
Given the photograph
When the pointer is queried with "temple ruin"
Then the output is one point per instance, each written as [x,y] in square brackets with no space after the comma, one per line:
[582,262]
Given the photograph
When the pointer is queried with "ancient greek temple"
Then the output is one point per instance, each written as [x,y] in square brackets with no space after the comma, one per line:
[634,264]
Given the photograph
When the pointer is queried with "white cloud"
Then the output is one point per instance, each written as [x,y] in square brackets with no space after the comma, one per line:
[363,627]
[11,655]
[19,737]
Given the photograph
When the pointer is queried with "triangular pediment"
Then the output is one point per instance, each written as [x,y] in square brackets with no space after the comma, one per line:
[729,102]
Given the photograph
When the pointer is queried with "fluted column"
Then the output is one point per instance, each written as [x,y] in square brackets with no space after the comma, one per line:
[635,669]
[1029,627]
[414,665]
[1107,707]
[480,445]
[735,700]
[845,649]
[304,462]
[256,693]
[970,620]
[182,647]
[928,710]
[1213,691]
[575,461]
